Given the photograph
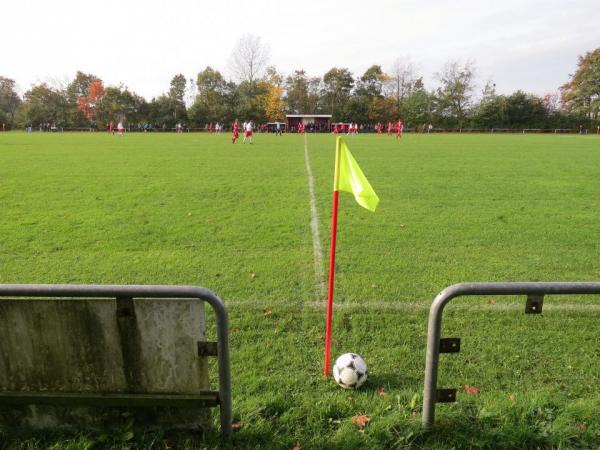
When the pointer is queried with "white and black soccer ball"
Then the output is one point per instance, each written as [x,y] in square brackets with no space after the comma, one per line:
[350,371]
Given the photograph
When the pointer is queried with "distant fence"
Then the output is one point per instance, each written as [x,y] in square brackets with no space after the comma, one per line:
[363,131]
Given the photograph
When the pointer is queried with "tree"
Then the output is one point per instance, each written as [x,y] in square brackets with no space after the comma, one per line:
[418,105]
[274,101]
[399,81]
[118,103]
[87,104]
[370,84]
[43,104]
[491,110]
[211,103]
[337,85]
[249,58]
[525,111]
[454,94]
[302,93]
[176,96]
[9,101]
[582,93]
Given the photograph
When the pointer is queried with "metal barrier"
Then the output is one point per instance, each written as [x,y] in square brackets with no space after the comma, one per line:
[128,293]
[535,292]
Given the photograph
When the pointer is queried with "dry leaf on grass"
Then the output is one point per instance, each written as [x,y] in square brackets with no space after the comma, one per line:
[471,390]
[581,426]
[267,312]
[297,446]
[380,391]
[235,426]
[361,421]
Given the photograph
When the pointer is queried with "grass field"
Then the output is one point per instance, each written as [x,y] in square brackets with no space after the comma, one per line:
[195,209]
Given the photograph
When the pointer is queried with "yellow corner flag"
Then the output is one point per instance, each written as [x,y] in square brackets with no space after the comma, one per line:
[349,178]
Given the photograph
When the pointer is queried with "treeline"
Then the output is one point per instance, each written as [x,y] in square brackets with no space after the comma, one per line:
[262,94]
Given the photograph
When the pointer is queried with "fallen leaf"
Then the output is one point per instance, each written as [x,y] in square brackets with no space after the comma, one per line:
[492,302]
[361,420]
[580,426]
[189,214]
[297,446]
[380,391]
[402,225]
[252,275]
[471,390]
[373,286]
[235,426]
[511,398]
[267,312]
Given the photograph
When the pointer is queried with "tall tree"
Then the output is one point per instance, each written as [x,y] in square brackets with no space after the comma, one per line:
[581,94]
[274,101]
[337,85]
[43,104]
[249,59]
[210,104]
[456,90]
[9,101]
[118,103]
[87,104]
[176,96]
[401,77]
[302,93]
[525,111]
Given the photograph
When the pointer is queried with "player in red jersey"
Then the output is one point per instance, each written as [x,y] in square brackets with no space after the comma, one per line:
[399,128]
[235,131]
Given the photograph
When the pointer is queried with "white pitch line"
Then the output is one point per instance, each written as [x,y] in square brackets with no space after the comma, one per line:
[409,306]
[314,226]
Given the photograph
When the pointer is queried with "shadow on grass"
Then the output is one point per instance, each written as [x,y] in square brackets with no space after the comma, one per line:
[395,381]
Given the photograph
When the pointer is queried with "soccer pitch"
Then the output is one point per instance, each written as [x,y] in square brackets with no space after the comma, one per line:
[195,209]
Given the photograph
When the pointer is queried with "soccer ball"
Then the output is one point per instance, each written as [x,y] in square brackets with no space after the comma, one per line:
[350,371]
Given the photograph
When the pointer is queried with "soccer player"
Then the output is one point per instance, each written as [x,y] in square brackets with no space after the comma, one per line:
[121,128]
[248,132]
[111,127]
[399,128]
[235,131]
[389,128]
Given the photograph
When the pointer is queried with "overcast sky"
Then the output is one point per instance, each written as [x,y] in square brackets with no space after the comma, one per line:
[526,44]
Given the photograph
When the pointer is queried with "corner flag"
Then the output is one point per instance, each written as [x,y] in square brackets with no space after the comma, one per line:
[349,178]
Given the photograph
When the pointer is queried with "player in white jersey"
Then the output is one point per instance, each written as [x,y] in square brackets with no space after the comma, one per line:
[248,132]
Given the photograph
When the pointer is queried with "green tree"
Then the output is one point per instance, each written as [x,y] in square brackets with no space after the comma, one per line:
[118,103]
[454,94]
[211,104]
[43,104]
[302,93]
[176,96]
[490,112]
[525,111]
[337,86]
[9,102]
[418,105]
[581,94]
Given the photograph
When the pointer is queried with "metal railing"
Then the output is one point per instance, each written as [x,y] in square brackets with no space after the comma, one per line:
[142,291]
[535,292]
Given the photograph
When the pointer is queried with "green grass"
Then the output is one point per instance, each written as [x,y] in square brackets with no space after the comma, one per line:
[194,209]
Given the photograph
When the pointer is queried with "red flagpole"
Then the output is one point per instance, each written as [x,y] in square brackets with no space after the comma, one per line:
[334,216]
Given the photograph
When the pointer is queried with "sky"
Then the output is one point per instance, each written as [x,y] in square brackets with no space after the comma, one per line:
[528,45]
